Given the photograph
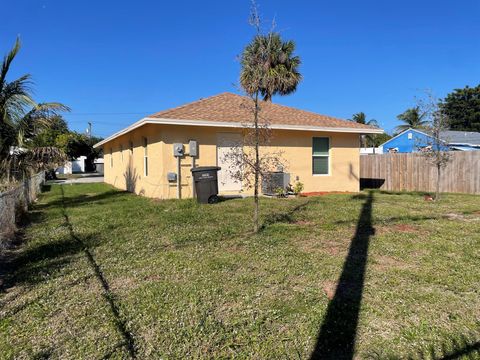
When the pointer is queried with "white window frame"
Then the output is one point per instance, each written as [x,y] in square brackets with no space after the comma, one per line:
[328,156]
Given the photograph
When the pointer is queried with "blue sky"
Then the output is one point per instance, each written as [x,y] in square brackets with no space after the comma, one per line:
[113,62]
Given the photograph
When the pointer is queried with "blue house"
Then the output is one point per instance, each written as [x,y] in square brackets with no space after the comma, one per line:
[413,140]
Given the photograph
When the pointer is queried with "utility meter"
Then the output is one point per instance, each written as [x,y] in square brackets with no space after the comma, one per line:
[193,148]
[178,150]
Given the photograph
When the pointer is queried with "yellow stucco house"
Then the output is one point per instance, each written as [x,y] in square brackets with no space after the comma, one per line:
[320,151]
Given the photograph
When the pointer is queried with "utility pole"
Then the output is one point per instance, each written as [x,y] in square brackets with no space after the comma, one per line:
[90,131]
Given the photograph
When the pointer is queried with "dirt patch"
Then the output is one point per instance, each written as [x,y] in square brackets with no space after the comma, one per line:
[462,217]
[123,283]
[397,228]
[329,287]
[405,228]
[453,216]
[388,262]
[322,193]
[330,247]
[235,249]
[334,250]
[304,223]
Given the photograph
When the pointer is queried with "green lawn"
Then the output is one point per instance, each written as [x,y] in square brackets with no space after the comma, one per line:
[107,274]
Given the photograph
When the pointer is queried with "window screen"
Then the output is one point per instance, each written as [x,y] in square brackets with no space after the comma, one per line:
[320,155]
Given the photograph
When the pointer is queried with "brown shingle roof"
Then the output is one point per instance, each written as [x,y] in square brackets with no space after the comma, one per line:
[231,110]
[228,107]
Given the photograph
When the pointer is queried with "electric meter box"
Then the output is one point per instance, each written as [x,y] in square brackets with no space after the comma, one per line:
[193,148]
[178,150]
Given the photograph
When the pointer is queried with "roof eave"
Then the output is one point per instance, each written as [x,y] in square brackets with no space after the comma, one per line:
[228,124]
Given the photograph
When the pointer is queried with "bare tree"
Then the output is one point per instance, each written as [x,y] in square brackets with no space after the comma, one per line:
[437,149]
[269,68]
[251,160]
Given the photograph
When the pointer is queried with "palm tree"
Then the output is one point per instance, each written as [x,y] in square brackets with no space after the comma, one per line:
[365,140]
[269,66]
[412,118]
[15,97]
[20,117]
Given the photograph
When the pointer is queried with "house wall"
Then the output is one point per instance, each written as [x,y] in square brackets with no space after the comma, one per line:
[406,143]
[127,171]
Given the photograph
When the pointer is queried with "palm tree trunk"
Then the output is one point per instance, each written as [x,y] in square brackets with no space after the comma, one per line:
[257,167]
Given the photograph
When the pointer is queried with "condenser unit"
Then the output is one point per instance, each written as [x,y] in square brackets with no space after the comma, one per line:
[272,181]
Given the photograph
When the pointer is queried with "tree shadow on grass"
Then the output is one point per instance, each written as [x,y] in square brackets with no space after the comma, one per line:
[284,217]
[466,349]
[337,335]
[39,262]
[35,264]
[81,199]
[453,347]
[120,323]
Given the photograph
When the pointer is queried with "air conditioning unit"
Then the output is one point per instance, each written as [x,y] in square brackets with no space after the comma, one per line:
[273,180]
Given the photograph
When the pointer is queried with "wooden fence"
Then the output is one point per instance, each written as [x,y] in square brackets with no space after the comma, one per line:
[414,172]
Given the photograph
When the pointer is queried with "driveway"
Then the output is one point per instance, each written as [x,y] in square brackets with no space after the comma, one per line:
[83,179]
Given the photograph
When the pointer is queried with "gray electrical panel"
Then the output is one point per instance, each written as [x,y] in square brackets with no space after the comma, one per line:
[178,150]
[193,148]
[171,176]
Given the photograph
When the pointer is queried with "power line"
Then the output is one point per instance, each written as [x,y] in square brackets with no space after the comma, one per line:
[113,122]
[111,113]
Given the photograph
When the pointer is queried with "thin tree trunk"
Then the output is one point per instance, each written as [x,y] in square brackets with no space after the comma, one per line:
[437,190]
[257,167]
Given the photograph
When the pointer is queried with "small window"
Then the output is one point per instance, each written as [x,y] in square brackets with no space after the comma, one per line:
[111,157]
[145,156]
[320,155]
[410,136]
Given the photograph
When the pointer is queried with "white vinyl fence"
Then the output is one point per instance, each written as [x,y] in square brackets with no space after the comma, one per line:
[14,203]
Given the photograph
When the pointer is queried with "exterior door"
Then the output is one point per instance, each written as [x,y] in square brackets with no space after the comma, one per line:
[227,144]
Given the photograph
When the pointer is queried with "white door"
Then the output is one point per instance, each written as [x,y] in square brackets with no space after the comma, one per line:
[228,144]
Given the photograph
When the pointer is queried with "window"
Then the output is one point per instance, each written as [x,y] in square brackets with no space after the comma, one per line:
[121,152]
[111,157]
[145,157]
[320,155]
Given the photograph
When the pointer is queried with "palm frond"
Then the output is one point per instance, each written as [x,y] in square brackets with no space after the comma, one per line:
[269,66]
[15,97]
[39,117]
[7,60]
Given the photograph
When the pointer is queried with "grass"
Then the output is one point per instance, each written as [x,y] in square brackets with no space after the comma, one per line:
[107,274]
[71,176]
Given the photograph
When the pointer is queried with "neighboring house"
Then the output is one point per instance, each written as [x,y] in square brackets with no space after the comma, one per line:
[371,150]
[74,166]
[413,140]
[322,152]
[462,140]
[98,165]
